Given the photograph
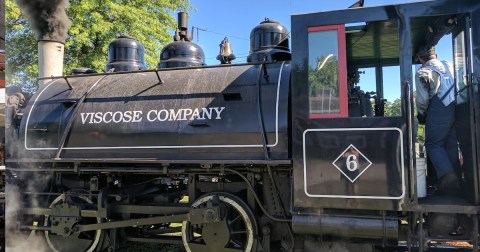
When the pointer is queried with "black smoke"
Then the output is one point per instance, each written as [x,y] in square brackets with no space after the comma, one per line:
[48,18]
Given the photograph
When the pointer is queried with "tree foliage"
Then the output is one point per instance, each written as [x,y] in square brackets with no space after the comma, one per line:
[393,109]
[324,78]
[94,25]
[323,85]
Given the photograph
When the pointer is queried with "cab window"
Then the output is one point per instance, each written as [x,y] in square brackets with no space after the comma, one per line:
[327,71]
[353,70]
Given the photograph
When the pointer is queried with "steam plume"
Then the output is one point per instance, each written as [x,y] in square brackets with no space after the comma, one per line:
[47,18]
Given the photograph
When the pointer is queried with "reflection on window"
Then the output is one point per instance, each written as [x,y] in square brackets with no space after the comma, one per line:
[323,72]
[460,68]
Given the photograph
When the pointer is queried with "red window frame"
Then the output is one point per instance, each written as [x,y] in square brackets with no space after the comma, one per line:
[342,71]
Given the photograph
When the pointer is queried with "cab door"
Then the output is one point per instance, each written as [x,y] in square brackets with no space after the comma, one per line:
[467,106]
[344,142]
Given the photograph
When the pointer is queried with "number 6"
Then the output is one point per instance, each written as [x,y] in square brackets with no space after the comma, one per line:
[351,163]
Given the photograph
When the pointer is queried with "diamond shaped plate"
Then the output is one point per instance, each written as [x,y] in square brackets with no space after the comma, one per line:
[352,163]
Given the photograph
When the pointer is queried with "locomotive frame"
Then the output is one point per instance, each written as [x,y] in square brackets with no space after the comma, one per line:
[324,183]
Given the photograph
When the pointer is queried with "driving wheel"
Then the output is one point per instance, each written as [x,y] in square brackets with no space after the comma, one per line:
[234,232]
[72,241]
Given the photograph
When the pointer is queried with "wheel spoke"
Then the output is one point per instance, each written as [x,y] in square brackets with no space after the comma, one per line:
[236,218]
[198,240]
[233,234]
[238,232]
[236,243]
[85,241]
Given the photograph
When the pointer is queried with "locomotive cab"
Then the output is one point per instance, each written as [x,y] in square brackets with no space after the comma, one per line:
[354,106]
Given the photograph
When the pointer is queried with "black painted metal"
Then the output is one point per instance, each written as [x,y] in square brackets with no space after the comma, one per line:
[69,124]
[409,29]
[125,54]
[269,41]
[474,41]
[82,70]
[181,52]
[329,199]
[327,172]
[230,126]
[360,227]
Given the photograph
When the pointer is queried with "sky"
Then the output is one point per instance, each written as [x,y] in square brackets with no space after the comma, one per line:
[236,19]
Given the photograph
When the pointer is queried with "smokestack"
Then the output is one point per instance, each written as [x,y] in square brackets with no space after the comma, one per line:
[50,59]
[49,21]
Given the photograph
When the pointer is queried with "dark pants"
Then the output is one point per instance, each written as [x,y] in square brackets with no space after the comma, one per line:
[440,136]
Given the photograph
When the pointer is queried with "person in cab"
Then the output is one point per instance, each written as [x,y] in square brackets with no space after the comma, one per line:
[435,100]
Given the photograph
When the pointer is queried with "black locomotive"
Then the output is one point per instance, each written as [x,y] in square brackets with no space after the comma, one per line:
[284,152]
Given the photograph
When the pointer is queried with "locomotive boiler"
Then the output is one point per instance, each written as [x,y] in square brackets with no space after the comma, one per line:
[285,152]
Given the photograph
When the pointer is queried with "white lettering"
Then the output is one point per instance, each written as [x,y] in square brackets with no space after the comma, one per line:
[174,116]
[127,116]
[91,118]
[160,113]
[218,112]
[105,117]
[207,113]
[186,112]
[120,118]
[85,116]
[152,115]
[351,163]
[136,116]
[98,117]
[195,114]
[148,115]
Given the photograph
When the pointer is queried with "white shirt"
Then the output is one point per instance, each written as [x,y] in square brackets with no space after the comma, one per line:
[428,82]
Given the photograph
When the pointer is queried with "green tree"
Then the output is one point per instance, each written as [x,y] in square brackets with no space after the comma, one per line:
[393,108]
[396,108]
[324,78]
[94,25]
[388,108]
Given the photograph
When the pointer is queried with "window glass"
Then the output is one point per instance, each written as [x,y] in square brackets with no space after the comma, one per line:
[384,100]
[361,92]
[392,91]
[460,67]
[325,73]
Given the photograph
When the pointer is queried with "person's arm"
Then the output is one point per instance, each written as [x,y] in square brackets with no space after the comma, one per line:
[422,82]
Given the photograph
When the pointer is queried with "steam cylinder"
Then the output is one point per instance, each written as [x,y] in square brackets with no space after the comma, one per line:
[347,227]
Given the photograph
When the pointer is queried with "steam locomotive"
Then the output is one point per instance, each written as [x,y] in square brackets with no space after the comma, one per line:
[283,153]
